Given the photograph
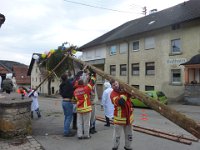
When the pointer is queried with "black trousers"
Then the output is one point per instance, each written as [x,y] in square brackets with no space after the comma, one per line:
[74,123]
[107,121]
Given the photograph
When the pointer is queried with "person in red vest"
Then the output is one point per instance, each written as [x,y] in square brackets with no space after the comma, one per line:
[82,96]
[21,91]
[123,115]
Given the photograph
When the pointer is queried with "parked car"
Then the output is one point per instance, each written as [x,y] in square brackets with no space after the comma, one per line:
[157,95]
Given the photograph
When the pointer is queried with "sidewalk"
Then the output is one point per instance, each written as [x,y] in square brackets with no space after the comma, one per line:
[28,143]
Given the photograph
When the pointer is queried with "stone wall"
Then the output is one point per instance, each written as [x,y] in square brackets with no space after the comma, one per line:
[15,118]
[192,94]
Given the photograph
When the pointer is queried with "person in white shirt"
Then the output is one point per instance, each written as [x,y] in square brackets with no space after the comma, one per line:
[107,104]
[34,105]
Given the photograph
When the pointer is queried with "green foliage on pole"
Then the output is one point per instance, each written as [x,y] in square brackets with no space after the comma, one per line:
[51,59]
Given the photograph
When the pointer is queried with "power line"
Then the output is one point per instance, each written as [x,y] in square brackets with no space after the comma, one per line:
[97,7]
[135,5]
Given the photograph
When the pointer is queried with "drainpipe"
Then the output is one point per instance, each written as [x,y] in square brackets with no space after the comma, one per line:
[128,58]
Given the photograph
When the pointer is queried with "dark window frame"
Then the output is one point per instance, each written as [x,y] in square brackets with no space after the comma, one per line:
[123,70]
[111,50]
[149,88]
[111,70]
[150,68]
[135,67]
[176,47]
[138,45]
[176,76]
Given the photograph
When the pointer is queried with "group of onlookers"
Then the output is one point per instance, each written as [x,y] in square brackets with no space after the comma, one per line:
[78,102]
[78,96]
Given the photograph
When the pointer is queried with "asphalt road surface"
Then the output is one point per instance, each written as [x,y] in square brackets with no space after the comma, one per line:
[48,129]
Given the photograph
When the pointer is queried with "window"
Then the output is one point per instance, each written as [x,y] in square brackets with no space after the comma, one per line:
[176,46]
[149,43]
[149,88]
[88,54]
[136,46]
[150,68]
[97,53]
[123,70]
[136,86]
[135,69]
[123,48]
[113,50]
[112,70]
[176,76]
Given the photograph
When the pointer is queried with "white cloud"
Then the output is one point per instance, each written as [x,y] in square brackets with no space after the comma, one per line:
[40,25]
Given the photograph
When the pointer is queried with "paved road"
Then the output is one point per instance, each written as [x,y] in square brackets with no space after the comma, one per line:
[48,130]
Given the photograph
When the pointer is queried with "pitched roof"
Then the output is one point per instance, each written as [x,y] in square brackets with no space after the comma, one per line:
[32,63]
[9,64]
[194,60]
[183,12]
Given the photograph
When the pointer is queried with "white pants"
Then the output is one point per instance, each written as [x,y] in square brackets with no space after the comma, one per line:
[83,124]
[128,133]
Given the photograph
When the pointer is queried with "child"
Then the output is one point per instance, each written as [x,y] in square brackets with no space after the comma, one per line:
[34,105]
[21,91]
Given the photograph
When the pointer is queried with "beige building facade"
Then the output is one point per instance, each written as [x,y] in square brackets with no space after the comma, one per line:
[147,52]
[149,61]
[37,77]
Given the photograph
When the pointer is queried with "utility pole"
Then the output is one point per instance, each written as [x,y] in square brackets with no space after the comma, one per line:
[144,10]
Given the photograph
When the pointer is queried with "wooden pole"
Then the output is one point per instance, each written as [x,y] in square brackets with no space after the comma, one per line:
[157,133]
[180,119]
[52,72]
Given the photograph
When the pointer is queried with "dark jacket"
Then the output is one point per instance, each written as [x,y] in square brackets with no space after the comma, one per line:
[7,85]
[66,89]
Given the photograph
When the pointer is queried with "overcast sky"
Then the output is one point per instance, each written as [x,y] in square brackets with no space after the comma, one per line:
[36,26]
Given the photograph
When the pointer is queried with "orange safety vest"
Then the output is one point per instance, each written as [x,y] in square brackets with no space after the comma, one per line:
[20,91]
[82,95]
[122,115]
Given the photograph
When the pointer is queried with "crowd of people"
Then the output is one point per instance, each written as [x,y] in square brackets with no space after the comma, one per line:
[79,96]
[78,103]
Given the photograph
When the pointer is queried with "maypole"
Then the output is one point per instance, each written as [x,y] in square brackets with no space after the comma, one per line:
[180,119]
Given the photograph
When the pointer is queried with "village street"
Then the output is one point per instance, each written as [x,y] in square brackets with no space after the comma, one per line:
[48,130]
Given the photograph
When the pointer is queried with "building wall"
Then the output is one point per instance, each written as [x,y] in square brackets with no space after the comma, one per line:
[94,53]
[189,35]
[21,77]
[37,78]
